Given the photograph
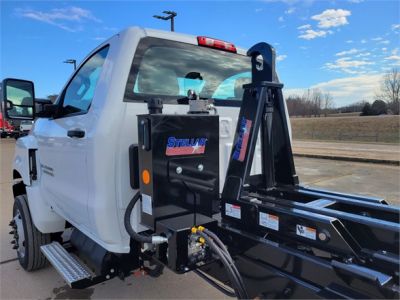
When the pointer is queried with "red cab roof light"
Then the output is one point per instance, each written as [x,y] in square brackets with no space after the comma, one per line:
[216,44]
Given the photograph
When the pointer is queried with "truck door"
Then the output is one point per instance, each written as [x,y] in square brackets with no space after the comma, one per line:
[63,143]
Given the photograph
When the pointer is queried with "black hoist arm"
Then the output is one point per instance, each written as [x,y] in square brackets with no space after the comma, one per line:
[262,107]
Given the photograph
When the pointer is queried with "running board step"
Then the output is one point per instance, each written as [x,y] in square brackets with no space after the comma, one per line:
[70,268]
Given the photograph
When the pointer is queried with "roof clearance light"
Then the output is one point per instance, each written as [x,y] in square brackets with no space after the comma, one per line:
[216,44]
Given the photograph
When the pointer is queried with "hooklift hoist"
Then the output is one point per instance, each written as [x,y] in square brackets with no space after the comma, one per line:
[273,237]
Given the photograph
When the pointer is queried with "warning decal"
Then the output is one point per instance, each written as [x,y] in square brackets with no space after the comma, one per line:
[307,232]
[269,221]
[233,211]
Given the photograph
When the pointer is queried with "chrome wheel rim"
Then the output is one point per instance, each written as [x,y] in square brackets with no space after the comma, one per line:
[19,234]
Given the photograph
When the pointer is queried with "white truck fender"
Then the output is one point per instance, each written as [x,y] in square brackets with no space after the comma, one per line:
[21,157]
[43,216]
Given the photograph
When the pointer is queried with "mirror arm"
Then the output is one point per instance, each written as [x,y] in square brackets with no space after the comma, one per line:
[9,105]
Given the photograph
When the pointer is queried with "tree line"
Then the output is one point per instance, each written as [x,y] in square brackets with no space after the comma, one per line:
[316,103]
[311,103]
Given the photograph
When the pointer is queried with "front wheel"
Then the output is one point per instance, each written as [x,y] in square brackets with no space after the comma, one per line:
[27,239]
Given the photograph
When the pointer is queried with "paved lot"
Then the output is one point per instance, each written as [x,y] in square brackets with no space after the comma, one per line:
[368,179]
[381,152]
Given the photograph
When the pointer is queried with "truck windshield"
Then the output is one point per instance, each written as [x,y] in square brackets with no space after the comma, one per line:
[167,70]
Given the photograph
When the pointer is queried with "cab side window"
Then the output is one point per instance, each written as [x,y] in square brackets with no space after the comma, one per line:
[80,91]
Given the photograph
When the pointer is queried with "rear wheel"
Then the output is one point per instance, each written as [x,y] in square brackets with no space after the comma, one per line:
[27,239]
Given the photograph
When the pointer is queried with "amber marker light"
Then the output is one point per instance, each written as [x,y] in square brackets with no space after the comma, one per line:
[146,176]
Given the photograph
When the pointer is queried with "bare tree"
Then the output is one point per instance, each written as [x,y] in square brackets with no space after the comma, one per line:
[327,102]
[311,103]
[295,105]
[316,100]
[308,103]
[390,90]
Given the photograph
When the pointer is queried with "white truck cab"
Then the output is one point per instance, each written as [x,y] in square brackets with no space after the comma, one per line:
[74,168]
[135,125]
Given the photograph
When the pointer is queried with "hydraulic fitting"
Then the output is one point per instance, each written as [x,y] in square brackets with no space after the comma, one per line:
[156,240]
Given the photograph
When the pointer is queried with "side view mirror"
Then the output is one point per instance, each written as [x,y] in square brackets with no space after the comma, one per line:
[18,99]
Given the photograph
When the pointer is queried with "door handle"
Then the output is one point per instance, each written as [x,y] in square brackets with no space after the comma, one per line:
[76,133]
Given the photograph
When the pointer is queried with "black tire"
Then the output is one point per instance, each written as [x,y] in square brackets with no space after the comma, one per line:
[30,257]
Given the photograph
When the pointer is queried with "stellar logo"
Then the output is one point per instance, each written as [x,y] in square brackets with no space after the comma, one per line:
[191,146]
[243,138]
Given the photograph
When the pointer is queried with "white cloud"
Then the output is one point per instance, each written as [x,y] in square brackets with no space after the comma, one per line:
[310,34]
[291,2]
[64,18]
[303,27]
[393,57]
[281,19]
[293,92]
[290,10]
[346,90]
[347,65]
[395,63]
[356,1]
[347,52]
[385,42]
[384,49]
[377,39]
[395,27]
[349,41]
[281,57]
[258,10]
[332,18]
[363,41]
[365,54]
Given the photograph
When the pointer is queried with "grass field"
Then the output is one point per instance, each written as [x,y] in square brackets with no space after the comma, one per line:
[337,115]
[381,129]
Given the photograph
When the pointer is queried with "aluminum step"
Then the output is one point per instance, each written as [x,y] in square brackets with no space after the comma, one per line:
[69,267]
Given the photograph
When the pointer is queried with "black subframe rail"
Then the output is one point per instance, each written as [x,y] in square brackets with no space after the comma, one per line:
[291,241]
[273,269]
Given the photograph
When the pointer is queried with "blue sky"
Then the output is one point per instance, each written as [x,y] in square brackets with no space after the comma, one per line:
[342,47]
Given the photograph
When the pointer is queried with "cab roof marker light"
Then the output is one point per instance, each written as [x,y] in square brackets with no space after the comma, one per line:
[216,44]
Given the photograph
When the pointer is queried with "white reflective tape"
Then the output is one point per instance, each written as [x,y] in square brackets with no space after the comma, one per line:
[146,204]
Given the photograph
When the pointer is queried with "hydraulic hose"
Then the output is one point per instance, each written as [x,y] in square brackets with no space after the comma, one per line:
[222,246]
[227,266]
[227,261]
[133,234]
[215,284]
